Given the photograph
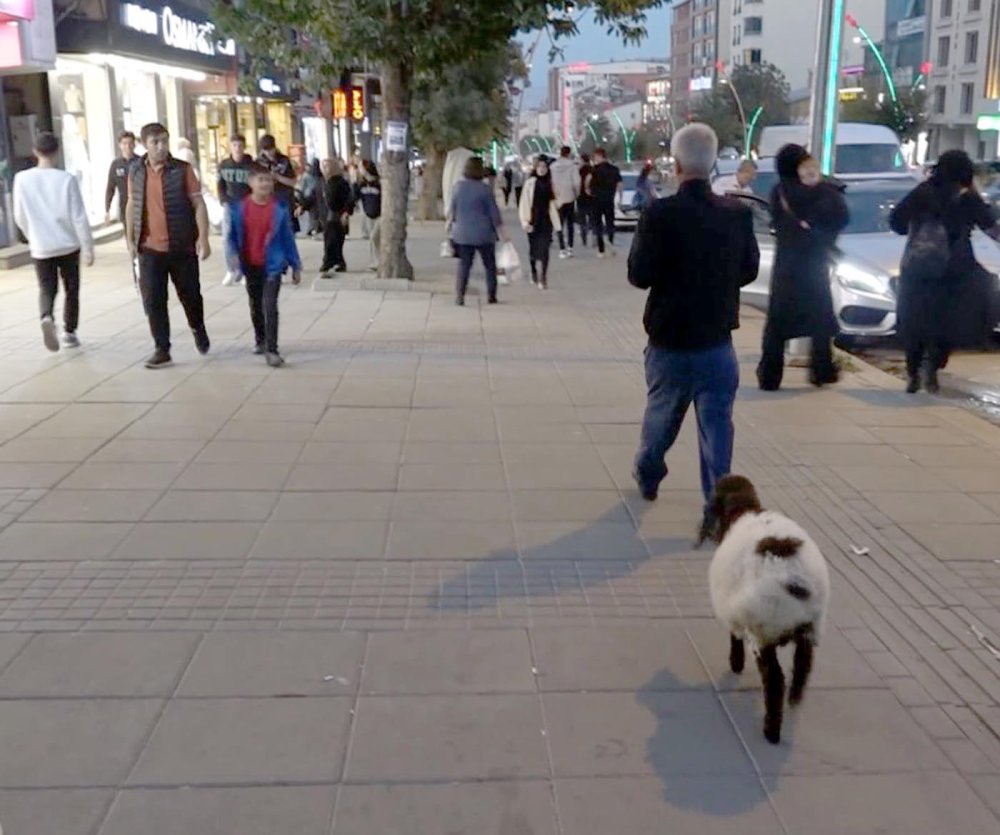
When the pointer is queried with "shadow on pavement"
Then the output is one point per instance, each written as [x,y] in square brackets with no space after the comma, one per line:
[566,565]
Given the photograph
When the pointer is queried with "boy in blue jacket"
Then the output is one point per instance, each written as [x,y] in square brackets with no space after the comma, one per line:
[261,236]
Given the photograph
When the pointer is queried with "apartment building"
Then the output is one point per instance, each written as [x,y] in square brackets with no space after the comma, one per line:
[964,83]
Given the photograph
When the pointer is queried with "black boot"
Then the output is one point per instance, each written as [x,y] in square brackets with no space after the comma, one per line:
[912,383]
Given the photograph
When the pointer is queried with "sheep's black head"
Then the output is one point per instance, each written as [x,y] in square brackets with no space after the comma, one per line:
[734,496]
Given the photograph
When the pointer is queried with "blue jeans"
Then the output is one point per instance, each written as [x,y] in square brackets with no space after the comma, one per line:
[675,380]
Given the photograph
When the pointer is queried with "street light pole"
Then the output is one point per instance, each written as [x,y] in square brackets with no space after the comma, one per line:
[725,79]
[826,84]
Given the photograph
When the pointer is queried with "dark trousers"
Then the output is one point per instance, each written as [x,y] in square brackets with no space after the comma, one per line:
[585,211]
[566,212]
[934,354]
[539,243]
[675,380]
[517,195]
[506,195]
[466,253]
[156,269]
[772,362]
[49,271]
[262,292]
[333,244]
[603,216]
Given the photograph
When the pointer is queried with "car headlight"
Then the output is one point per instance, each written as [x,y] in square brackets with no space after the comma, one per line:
[861,280]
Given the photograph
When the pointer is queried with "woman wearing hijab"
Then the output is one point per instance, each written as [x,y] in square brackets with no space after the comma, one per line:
[946,298]
[809,213]
[539,217]
[645,189]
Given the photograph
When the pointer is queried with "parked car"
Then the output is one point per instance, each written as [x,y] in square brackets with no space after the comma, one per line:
[626,216]
[865,276]
[863,150]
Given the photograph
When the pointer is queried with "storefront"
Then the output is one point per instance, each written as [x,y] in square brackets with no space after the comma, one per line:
[127,70]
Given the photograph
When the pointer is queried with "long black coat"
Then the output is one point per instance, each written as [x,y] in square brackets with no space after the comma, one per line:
[959,307]
[800,302]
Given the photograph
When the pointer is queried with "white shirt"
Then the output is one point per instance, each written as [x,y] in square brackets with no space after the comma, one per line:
[730,185]
[48,209]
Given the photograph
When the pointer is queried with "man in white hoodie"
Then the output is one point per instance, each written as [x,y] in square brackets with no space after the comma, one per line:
[566,185]
[48,209]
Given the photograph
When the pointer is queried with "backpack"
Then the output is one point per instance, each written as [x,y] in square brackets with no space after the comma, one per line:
[927,251]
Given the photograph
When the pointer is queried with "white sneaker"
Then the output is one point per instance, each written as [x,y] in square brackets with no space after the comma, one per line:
[229,280]
[602,255]
[70,340]
[563,254]
[569,253]
[240,279]
[49,334]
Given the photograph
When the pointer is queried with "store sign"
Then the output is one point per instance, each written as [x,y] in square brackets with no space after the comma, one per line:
[176,30]
[270,86]
[358,103]
[339,104]
[911,26]
[988,121]
[702,83]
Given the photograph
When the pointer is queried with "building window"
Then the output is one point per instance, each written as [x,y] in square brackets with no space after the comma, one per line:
[945,8]
[939,99]
[944,51]
[971,47]
[753,56]
[968,94]
[710,23]
[753,25]
[974,5]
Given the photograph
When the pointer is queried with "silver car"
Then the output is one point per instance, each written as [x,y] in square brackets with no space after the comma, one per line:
[865,275]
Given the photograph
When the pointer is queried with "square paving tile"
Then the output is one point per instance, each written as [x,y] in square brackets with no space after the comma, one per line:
[667,734]
[34,475]
[569,506]
[39,450]
[260,810]
[470,424]
[656,806]
[62,540]
[504,808]
[433,452]
[151,451]
[945,506]
[656,656]
[911,479]
[957,542]
[412,539]
[10,646]
[101,475]
[445,506]
[275,664]
[212,506]
[970,479]
[351,452]
[321,540]
[246,741]
[343,476]
[63,811]
[262,452]
[334,506]
[889,804]
[76,742]
[830,733]
[580,541]
[449,661]
[92,506]
[566,475]
[188,540]
[436,738]
[362,424]
[230,476]
[99,664]
[452,476]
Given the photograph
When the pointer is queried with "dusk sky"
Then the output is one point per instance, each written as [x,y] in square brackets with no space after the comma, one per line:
[594,44]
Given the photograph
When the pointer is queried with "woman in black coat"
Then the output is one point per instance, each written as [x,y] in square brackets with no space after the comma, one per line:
[946,298]
[809,213]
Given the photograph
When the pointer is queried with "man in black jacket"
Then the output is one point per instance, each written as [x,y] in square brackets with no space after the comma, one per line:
[339,198]
[693,252]
[118,175]
[233,186]
[281,169]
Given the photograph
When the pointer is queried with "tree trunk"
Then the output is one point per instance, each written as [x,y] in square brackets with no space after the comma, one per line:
[428,208]
[397,79]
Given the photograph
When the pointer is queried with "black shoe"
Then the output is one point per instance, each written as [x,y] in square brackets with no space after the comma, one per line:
[825,378]
[258,349]
[201,340]
[492,300]
[340,268]
[913,383]
[159,359]
[648,493]
[460,301]
[709,530]
[931,381]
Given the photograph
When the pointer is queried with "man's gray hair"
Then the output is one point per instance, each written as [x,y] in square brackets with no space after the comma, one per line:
[695,147]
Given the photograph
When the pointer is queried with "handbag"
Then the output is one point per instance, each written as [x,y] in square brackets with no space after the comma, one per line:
[927,251]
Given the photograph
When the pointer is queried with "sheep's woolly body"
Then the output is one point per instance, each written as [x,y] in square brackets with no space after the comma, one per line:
[750,591]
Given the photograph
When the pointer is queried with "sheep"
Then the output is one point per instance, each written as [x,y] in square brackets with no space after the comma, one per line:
[770,585]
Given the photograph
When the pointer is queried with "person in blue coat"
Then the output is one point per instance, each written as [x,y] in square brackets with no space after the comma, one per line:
[261,237]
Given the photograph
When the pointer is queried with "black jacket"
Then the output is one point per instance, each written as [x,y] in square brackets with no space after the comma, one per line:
[234,179]
[369,194]
[693,251]
[282,166]
[339,197]
[118,181]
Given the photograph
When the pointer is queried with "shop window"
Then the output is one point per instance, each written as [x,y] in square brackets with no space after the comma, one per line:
[971,47]
[968,96]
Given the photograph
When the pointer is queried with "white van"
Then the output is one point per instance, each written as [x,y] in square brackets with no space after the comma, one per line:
[863,150]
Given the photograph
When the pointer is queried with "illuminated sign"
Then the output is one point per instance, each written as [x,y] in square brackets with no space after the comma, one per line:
[911,26]
[988,121]
[851,93]
[699,84]
[358,103]
[176,30]
[269,86]
[339,104]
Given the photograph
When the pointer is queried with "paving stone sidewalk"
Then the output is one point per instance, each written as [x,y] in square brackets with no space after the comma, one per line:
[406,586]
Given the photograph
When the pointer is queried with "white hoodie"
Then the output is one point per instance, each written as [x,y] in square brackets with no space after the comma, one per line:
[565,180]
[48,209]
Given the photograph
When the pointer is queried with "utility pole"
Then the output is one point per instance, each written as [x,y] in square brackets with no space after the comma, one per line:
[826,84]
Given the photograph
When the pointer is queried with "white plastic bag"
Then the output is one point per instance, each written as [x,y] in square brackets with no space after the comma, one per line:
[447,249]
[509,262]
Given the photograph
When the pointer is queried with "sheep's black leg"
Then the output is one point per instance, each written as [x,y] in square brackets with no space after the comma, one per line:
[737,654]
[774,692]
[802,668]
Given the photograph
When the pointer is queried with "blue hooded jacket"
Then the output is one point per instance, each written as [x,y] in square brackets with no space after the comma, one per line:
[280,251]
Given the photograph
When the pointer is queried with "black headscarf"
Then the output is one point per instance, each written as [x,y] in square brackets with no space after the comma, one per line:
[954,170]
[788,160]
[543,196]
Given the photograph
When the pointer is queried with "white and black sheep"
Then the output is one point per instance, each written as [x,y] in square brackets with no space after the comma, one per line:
[770,585]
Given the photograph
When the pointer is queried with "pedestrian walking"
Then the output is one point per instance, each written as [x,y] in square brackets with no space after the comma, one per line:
[605,189]
[808,213]
[517,181]
[369,195]
[118,175]
[739,183]
[584,202]
[185,153]
[48,209]
[947,299]
[260,230]
[693,251]
[232,187]
[539,217]
[305,197]
[566,185]
[167,230]
[281,167]
[474,224]
[508,183]
[339,205]
[645,189]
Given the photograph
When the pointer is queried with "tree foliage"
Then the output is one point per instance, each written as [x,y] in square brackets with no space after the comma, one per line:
[907,116]
[758,85]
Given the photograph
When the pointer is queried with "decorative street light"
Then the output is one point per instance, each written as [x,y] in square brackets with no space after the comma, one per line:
[853,21]
[724,79]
